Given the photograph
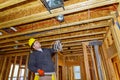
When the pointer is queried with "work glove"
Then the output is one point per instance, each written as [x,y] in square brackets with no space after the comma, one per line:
[57,46]
[41,72]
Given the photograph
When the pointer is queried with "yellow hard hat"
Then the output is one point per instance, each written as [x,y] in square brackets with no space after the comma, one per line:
[31,41]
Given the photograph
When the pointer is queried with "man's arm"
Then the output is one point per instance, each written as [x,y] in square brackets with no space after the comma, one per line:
[31,63]
[52,51]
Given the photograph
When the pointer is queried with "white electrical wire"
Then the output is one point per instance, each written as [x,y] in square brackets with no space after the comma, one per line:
[57,46]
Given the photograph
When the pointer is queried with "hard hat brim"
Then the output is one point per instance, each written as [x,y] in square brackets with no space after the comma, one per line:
[33,44]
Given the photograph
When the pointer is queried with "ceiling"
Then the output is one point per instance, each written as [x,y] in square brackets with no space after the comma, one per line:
[84,20]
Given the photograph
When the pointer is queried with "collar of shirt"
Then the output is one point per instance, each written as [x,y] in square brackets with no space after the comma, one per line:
[40,50]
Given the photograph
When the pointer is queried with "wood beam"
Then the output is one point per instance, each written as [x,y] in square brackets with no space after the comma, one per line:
[73,43]
[21,48]
[72,63]
[8,68]
[17,51]
[72,51]
[3,32]
[78,42]
[59,31]
[64,46]
[3,68]
[21,54]
[116,34]
[36,17]
[80,49]
[109,64]
[72,36]
[59,26]
[81,55]
[20,64]
[96,33]
[9,49]
[26,67]
[72,48]
[10,3]
[13,69]
[86,61]
[22,7]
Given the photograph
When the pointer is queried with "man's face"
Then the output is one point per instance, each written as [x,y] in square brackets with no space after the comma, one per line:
[36,45]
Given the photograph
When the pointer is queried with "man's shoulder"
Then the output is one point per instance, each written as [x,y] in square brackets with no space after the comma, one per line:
[34,52]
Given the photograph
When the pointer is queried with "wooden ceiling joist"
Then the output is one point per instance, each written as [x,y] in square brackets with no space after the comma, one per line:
[10,3]
[58,32]
[71,36]
[37,17]
[52,39]
[72,49]
[22,7]
[78,50]
[80,40]
[22,48]
[68,55]
[28,50]
[18,51]
[80,53]
[84,40]
[75,43]
[59,26]
[18,54]
[11,48]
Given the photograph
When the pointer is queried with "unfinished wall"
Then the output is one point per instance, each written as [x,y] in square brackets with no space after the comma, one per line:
[110,53]
[12,65]
[69,62]
[61,60]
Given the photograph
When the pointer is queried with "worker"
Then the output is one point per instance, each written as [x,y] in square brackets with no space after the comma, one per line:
[40,60]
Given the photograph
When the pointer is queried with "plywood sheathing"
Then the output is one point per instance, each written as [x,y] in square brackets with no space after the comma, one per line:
[70,18]
[37,17]
[81,26]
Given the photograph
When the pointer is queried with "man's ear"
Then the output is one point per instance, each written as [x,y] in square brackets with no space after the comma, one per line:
[33,47]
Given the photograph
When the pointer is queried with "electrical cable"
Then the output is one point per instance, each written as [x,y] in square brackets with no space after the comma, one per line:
[57,45]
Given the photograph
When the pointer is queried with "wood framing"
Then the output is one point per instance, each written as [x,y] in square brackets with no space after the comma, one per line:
[87,67]
[83,21]
[10,2]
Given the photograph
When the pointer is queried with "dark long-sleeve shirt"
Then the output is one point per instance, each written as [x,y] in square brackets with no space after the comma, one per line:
[41,60]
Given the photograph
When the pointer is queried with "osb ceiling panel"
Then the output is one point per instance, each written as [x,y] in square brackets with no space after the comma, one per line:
[25,9]
[84,20]
[2,1]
